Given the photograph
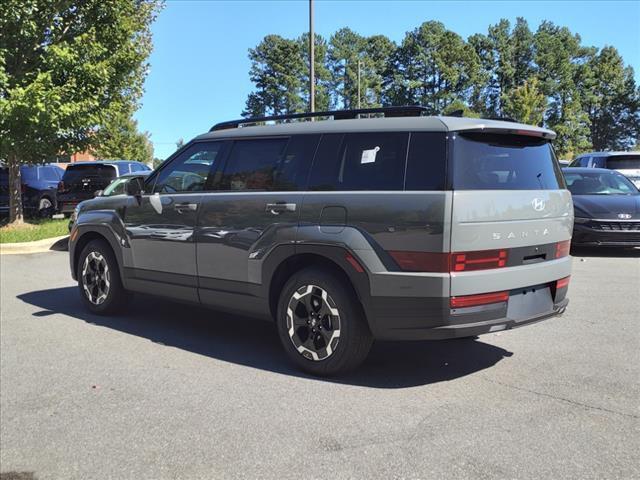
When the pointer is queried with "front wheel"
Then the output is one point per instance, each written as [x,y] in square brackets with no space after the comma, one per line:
[99,279]
[321,323]
[45,208]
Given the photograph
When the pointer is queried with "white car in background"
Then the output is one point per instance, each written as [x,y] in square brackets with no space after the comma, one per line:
[627,163]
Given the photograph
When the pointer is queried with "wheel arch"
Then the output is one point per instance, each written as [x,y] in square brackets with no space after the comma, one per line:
[87,235]
[331,258]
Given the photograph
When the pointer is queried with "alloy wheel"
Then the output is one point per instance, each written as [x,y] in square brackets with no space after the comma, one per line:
[313,322]
[96,278]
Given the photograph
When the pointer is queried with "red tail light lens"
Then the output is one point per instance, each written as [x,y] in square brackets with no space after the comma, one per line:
[563,248]
[563,282]
[421,261]
[481,299]
[483,260]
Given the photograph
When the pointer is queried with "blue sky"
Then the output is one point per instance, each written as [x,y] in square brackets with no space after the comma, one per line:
[199,66]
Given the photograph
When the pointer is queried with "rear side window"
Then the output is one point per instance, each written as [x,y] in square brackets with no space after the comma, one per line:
[75,173]
[293,170]
[485,161]
[426,163]
[360,161]
[253,164]
[626,162]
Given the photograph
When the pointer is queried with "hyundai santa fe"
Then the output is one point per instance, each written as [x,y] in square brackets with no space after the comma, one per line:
[342,231]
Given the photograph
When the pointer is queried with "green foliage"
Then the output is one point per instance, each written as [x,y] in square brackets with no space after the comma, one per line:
[278,71]
[322,74]
[432,67]
[64,66]
[118,138]
[526,103]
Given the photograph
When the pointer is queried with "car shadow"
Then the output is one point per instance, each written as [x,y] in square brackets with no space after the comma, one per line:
[608,252]
[255,343]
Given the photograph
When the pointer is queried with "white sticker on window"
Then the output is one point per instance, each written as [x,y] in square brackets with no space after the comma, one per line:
[369,156]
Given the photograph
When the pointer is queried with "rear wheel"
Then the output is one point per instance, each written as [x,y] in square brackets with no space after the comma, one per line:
[321,323]
[99,279]
[45,207]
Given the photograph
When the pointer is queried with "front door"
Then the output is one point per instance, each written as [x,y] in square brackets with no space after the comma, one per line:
[161,227]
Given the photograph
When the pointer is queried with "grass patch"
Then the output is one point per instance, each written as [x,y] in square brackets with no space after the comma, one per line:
[33,230]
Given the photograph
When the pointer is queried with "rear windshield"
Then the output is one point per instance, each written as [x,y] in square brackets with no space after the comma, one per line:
[624,162]
[46,173]
[78,172]
[486,161]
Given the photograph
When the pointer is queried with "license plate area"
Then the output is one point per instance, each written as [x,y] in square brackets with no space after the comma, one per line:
[529,302]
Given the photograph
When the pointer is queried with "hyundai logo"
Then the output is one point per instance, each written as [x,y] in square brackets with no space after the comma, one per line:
[624,216]
[537,204]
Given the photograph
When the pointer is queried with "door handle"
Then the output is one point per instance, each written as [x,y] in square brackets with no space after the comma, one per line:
[278,208]
[184,207]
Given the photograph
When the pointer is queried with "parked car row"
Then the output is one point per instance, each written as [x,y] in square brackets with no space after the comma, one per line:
[48,189]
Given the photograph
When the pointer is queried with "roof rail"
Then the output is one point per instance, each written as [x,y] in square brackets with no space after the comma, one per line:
[408,111]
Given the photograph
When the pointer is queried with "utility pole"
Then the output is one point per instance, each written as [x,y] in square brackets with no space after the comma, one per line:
[312,75]
[358,82]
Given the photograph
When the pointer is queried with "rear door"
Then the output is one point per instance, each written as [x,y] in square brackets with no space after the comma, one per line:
[510,211]
[80,182]
[256,208]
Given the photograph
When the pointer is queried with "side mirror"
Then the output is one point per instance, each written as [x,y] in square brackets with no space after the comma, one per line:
[97,193]
[135,187]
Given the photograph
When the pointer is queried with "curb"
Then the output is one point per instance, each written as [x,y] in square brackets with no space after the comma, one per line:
[39,246]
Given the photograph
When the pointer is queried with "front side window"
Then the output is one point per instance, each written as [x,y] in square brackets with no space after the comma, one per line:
[487,161]
[190,171]
[253,164]
[360,161]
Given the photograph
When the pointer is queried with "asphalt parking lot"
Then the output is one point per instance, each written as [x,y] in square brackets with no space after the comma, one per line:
[173,392]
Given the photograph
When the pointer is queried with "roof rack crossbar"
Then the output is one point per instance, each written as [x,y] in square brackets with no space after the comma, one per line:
[408,111]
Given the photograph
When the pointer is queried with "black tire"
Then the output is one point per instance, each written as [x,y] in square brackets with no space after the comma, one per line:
[45,207]
[349,349]
[116,296]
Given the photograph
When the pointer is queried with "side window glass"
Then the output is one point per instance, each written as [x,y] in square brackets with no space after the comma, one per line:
[586,162]
[253,164]
[190,171]
[365,161]
[293,169]
[426,165]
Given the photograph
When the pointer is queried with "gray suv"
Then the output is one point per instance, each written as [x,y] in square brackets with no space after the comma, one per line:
[342,231]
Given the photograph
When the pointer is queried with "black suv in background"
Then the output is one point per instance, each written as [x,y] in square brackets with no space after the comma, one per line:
[82,180]
[39,183]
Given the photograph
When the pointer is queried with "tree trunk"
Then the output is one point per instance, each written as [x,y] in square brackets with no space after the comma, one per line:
[15,190]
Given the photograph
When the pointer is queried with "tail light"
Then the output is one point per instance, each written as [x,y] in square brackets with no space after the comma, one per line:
[563,248]
[480,299]
[563,282]
[23,188]
[421,261]
[450,262]
[482,260]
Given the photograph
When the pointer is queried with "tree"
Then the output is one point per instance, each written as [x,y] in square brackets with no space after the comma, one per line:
[345,49]
[432,67]
[277,70]
[118,138]
[526,103]
[63,66]
[557,55]
[610,99]
[322,74]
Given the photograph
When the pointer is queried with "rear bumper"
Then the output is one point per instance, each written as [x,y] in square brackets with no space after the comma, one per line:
[586,236]
[397,318]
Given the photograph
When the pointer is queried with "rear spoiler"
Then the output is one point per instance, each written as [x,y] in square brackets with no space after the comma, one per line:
[546,134]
